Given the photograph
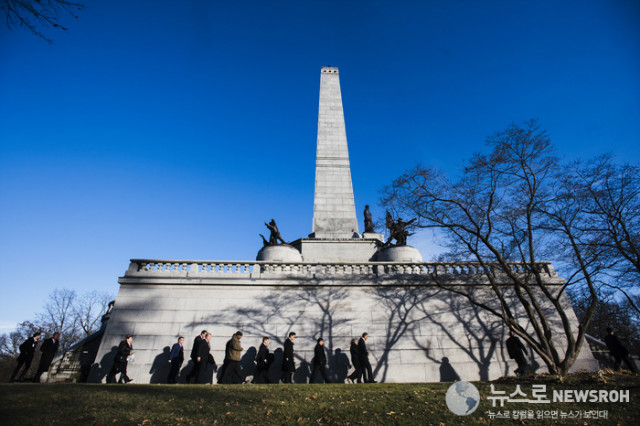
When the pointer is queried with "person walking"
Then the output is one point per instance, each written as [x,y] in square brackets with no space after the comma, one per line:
[263,361]
[195,370]
[363,358]
[120,363]
[49,348]
[288,362]
[27,352]
[232,373]
[319,361]
[618,351]
[353,350]
[176,358]
[517,351]
[205,357]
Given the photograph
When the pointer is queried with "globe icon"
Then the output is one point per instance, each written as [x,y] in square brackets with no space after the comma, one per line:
[462,398]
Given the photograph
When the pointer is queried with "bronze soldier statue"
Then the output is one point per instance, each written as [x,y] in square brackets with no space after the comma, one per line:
[275,234]
[397,230]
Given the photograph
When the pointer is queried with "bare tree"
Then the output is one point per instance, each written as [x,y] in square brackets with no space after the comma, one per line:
[611,222]
[73,316]
[37,14]
[610,312]
[10,343]
[88,311]
[58,316]
[510,205]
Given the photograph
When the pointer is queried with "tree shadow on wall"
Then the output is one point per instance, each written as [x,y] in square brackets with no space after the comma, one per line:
[481,335]
[287,310]
[399,307]
[402,306]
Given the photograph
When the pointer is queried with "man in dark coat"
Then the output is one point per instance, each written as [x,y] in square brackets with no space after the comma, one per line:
[204,354]
[618,351]
[363,358]
[263,362]
[49,348]
[120,363]
[27,351]
[516,351]
[355,362]
[288,362]
[176,357]
[319,361]
[194,356]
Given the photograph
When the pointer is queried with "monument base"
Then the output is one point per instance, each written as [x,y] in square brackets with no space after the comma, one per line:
[415,327]
[399,254]
[337,250]
[279,253]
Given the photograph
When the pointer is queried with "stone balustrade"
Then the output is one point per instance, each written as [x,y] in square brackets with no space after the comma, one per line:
[244,269]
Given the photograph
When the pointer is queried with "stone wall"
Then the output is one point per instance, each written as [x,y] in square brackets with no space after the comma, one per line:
[418,332]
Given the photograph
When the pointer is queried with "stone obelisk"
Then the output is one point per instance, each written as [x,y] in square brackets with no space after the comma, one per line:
[334,213]
[335,236]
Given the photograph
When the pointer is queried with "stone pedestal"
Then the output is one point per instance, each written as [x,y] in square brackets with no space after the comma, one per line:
[336,250]
[279,253]
[399,254]
[373,236]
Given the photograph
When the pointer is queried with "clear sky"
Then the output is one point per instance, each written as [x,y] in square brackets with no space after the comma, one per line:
[173,129]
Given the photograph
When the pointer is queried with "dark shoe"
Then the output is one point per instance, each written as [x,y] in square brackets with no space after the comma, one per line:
[127,380]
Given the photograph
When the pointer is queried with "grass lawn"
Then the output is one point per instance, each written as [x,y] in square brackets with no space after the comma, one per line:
[88,404]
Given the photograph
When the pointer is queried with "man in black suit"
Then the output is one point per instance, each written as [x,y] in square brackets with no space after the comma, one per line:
[49,349]
[122,359]
[288,362]
[516,351]
[363,357]
[357,372]
[319,361]
[263,362]
[618,351]
[27,351]
[194,356]
[204,353]
[176,357]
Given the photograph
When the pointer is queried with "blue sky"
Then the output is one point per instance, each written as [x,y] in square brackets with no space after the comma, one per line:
[174,129]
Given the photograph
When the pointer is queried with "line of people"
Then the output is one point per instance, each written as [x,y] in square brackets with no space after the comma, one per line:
[231,371]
